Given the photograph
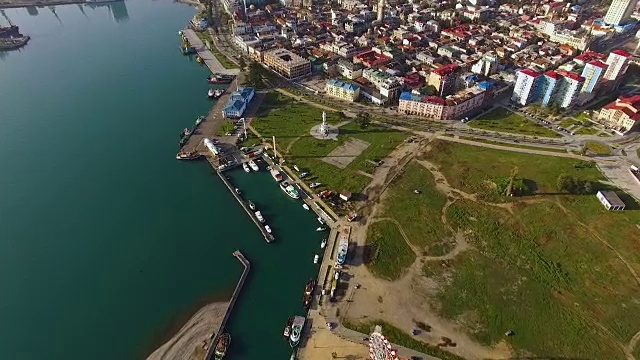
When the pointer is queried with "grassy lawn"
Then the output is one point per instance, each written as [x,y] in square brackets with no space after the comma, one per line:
[290,121]
[568,122]
[501,119]
[519,146]
[473,169]
[418,214]
[583,116]
[225,128]
[399,337]
[587,130]
[604,134]
[390,255]
[597,148]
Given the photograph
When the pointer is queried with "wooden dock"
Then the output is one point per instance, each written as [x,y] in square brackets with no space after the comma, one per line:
[214,341]
[268,237]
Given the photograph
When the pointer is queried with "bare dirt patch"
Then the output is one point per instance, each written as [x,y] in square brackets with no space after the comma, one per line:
[343,155]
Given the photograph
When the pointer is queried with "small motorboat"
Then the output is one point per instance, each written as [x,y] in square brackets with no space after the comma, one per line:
[320,220]
[237,191]
[199,120]
[266,227]
[321,228]
[218,93]
[315,185]
[316,258]
[253,165]
[303,175]
[259,216]
[246,167]
[323,243]
[252,206]
[211,93]
[268,168]
[287,331]
[199,59]
[305,206]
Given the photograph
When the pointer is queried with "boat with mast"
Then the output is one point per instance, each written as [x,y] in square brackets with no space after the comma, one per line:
[222,346]
[289,190]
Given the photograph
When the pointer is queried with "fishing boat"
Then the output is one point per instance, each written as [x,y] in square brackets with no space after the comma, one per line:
[188,155]
[222,346]
[305,206]
[199,120]
[185,136]
[321,228]
[287,328]
[266,227]
[296,330]
[253,165]
[343,247]
[289,190]
[276,175]
[259,216]
[246,167]
[323,244]
[237,191]
[315,185]
[220,79]
[316,258]
[252,206]
[308,293]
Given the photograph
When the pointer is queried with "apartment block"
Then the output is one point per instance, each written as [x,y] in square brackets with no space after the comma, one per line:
[287,64]
[527,88]
[342,90]
[617,63]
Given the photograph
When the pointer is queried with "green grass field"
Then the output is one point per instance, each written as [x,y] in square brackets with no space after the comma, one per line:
[390,255]
[519,146]
[587,130]
[501,119]
[568,122]
[290,121]
[598,148]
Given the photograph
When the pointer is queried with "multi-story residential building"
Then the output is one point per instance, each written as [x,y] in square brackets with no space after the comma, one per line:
[487,65]
[623,114]
[388,85]
[348,69]
[568,89]
[578,40]
[342,90]
[444,79]
[549,87]
[617,62]
[620,11]
[527,88]
[454,107]
[286,63]
[592,73]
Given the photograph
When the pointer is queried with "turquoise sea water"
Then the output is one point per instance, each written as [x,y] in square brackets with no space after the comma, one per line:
[107,243]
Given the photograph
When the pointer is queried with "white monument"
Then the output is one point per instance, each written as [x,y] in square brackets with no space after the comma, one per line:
[324,131]
[323,127]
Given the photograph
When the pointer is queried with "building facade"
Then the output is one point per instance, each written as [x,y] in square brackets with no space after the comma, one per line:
[287,64]
[527,88]
[592,73]
[568,89]
[444,79]
[623,115]
[454,107]
[617,63]
[238,102]
[342,90]
[620,11]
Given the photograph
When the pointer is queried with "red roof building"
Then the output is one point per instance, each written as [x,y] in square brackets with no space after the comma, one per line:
[623,115]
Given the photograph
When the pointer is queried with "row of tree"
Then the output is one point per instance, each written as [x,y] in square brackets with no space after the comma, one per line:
[572,185]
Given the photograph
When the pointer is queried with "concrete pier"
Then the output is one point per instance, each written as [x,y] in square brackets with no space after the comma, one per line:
[268,237]
[234,297]
[207,56]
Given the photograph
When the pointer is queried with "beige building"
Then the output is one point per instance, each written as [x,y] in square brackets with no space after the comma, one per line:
[286,63]
[454,107]
[342,90]
[622,115]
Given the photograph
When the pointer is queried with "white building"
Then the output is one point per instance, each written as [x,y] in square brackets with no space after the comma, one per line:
[487,65]
[527,88]
[620,11]
[610,200]
[348,69]
[568,89]
[617,62]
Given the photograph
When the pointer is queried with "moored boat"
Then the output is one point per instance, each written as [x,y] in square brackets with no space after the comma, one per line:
[259,216]
[289,190]
[246,167]
[276,175]
[320,220]
[305,206]
[308,293]
[287,328]
[252,206]
[220,79]
[199,59]
[323,243]
[316,258]
[188,155]
[237,191]
[218,93]
[266,227]
[222,346]
[253,165]
[199,120]
[296,330]
[321,228]
[210,93]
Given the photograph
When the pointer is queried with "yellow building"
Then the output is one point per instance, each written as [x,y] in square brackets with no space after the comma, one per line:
[342,90]
[622,115]
[286,63]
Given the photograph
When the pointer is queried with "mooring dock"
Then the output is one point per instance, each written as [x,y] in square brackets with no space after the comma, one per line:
[207,56]
[268,237]
[234,297]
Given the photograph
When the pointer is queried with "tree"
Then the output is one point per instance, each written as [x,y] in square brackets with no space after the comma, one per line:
[363,119]
[566,183]
[242,63]
[254,78]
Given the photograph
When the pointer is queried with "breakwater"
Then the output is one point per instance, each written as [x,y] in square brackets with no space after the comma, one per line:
[247,266]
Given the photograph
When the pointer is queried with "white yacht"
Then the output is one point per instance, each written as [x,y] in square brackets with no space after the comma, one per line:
[253,165]
[259,216]
[246,167]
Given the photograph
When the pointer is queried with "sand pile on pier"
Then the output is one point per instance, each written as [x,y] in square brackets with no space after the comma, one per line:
[187,344]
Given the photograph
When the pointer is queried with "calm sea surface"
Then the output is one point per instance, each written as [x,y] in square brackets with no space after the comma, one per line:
[107,243]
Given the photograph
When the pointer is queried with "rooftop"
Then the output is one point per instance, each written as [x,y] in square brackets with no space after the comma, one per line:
[342,84]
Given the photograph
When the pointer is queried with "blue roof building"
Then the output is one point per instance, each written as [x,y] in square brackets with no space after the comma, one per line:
[342,90]
[238,102]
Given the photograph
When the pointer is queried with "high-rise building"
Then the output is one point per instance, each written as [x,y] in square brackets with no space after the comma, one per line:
[527,88]
[592,73]
[617,62]
[549,87]
[620,11]
[381,5]
[568,89]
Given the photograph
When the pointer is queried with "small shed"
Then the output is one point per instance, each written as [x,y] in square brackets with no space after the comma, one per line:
[345,195]
[610,200]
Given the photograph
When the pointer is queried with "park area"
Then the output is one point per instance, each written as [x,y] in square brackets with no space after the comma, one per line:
[503,120]
[556,269]
[290,121]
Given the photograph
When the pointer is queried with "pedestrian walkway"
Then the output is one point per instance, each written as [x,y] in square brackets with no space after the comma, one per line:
[207,56]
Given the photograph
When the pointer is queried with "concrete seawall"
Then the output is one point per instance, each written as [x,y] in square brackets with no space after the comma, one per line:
[247,266]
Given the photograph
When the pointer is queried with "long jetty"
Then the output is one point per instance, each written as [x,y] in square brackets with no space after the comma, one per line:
[206,55]
[268,237]
[234,297]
